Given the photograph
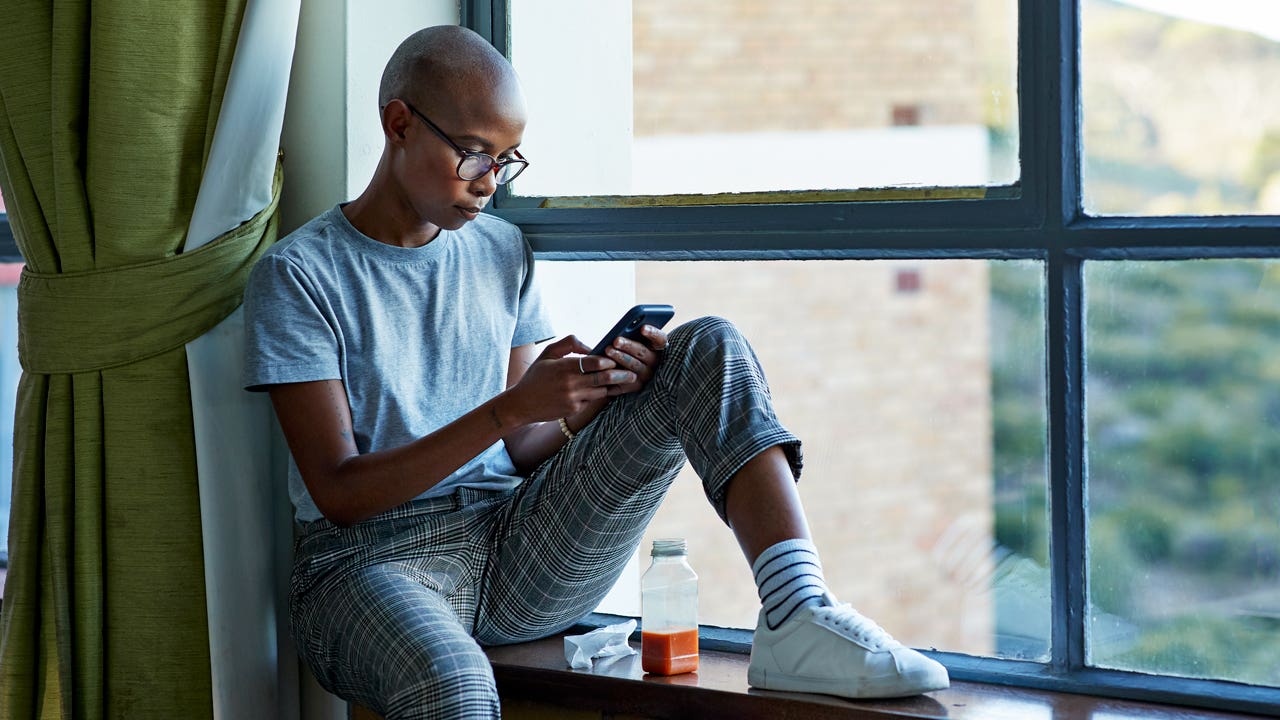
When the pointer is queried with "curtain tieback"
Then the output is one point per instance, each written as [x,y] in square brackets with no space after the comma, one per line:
[87,321]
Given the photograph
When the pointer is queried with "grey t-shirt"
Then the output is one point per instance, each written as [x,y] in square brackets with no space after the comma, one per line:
[418,336]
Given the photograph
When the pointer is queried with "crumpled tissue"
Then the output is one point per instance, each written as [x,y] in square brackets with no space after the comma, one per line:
[608,641]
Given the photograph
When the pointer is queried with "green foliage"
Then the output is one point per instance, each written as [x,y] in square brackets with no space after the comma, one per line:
[1018,392]
[1148,532]
[1266,160]
[1247,649]
[1112,566]
[1021,522]
[1183,455]
[1182,366]
[1176,116]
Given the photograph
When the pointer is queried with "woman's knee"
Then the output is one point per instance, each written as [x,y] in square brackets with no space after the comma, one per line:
[709,345]
[442,680]
[384,640]
[707,328]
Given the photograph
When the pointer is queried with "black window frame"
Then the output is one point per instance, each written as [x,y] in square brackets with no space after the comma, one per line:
[1041,218]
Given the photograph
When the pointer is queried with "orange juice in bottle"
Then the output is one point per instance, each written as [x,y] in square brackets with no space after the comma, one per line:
[669,611]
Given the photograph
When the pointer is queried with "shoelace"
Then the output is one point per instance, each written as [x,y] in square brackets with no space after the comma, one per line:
[846,619]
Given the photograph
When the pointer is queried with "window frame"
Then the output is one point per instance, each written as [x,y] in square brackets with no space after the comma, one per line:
[1040,217]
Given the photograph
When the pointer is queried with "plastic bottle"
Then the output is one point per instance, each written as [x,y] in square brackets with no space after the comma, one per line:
[669,611]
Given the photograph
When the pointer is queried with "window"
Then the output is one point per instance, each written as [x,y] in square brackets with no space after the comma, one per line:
[1047,339]
[1182,433]
[1180,116]
[749,96]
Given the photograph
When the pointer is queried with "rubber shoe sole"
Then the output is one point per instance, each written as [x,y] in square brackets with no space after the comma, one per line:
[906,685]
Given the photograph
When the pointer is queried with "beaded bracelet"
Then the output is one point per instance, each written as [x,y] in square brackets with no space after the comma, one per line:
[564,428]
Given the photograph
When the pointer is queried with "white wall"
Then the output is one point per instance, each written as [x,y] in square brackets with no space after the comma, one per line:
[922,156]
[332,137]
[372,35]
[574,62]
[314,136]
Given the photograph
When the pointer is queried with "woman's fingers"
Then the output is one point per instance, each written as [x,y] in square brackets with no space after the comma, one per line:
[635,363]
[635,356]
[609,378]
[657,338]
[626,365]
[593,363]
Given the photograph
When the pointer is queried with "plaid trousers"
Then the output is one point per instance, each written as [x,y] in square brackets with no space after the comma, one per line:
[392,612]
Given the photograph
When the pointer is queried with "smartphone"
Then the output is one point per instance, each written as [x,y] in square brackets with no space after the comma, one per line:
[634,319]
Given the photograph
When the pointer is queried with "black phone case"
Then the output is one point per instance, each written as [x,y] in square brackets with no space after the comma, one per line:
[631,322]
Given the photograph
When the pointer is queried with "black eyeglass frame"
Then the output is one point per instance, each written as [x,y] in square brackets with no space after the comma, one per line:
[494,164]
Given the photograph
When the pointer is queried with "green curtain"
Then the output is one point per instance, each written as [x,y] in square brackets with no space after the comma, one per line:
[107,111]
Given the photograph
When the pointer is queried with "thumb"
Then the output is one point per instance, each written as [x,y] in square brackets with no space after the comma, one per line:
[561,347]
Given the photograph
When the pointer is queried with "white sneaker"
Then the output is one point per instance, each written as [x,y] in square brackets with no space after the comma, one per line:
[834,650]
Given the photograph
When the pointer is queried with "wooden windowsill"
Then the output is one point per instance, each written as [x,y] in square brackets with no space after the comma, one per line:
[537,673]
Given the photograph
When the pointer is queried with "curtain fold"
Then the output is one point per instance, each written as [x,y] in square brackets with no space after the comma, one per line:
[244,504]
[107,113]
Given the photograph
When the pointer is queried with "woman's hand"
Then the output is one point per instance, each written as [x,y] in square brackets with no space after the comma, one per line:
[556,386]
[641,358]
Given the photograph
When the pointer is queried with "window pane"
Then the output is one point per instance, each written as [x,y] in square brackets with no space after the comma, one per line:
[666,96]
[1183,423]
[918,390]
[1181,107]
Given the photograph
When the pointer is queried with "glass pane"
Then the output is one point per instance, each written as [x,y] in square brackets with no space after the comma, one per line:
[918,389]
[1183,424]
[750,95]
[1181,107]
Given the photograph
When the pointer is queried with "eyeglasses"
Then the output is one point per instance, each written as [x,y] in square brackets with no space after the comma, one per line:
[475,165]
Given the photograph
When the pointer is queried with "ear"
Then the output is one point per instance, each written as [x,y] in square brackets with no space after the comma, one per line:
[396,119]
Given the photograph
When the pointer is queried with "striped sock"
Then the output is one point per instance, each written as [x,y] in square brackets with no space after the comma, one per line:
[789,577]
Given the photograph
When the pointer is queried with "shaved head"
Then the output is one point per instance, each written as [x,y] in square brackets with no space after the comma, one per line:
[438,68]
[476,108]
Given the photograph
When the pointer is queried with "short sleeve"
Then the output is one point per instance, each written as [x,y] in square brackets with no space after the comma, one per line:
[533,323]
[289,334]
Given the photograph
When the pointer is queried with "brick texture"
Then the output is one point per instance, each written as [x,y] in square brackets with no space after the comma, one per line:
[753,65]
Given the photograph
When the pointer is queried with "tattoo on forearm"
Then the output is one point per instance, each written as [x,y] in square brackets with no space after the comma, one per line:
[493,413]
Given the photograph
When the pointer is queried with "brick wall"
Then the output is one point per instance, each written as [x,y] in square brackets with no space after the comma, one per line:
[752,65]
